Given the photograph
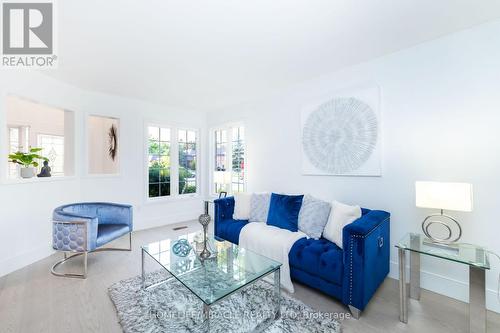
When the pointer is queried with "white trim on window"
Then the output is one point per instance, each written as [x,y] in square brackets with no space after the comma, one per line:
[212,163]
[198,171]
[174,162]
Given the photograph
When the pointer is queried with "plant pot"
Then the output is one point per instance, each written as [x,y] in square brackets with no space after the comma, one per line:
[27,172]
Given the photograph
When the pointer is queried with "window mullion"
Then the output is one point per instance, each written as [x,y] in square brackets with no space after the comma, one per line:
[174,162]
[229,157]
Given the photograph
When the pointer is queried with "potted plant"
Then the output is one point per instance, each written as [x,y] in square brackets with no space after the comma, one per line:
[28,161]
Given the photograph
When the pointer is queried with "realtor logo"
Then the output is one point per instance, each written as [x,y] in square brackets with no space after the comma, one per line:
[28,34]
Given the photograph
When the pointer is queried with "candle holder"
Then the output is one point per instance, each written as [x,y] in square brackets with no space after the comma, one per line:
[204,220]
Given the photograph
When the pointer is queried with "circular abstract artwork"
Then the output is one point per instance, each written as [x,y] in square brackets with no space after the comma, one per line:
[340,135]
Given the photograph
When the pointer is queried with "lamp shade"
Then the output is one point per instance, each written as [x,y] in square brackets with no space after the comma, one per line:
[440,195]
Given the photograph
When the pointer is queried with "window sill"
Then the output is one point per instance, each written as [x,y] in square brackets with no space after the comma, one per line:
[160,200]
[102,175]
[36,180]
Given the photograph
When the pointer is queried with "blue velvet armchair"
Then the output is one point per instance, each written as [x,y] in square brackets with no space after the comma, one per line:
[81,228]
[351,274]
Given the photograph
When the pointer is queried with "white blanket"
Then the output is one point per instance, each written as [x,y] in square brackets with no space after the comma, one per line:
[271,242]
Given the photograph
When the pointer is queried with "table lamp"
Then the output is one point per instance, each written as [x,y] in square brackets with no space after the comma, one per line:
[443,196]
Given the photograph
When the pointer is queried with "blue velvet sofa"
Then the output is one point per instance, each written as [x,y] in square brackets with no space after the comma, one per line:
[351,275]
[81,228]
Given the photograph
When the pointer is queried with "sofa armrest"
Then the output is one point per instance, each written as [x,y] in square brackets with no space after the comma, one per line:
[223,210]
[366,244]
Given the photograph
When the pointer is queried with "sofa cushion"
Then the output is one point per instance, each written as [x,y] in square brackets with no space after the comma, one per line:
[230,230]
[313,216]
[259,207]
[319,258]
[284,211]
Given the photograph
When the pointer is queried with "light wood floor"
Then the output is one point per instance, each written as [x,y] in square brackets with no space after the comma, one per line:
[32,300]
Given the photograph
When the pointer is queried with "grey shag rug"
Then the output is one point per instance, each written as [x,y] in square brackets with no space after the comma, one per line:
[172,308]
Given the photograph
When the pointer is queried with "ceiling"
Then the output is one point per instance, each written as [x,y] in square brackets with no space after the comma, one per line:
[211,54]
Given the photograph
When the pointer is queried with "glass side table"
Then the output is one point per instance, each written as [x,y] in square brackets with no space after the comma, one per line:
[471,255]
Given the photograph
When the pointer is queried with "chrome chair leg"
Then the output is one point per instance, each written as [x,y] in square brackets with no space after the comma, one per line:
[71,275]
[85,260]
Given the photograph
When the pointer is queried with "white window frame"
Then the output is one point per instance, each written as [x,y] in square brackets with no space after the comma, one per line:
[229,159]
[197,143]
[174,162]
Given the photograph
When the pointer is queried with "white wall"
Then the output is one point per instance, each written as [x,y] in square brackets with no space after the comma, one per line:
[26,207]
[441,112]
[40,118]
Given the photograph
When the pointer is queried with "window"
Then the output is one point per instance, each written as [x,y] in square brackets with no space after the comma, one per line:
[53,148]
[229,159]
[14,146]
[172,161]
[34,125]
[221,159]
[238,160]
[187,161]
[18,139]
[159,161]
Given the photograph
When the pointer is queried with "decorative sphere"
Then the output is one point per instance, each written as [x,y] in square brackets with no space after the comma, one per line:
[204,219]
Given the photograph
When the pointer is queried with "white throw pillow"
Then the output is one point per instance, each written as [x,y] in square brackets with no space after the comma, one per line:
[340,216]
[242,206]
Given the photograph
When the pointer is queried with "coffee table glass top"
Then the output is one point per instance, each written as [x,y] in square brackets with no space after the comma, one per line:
[463,253]
[229,269]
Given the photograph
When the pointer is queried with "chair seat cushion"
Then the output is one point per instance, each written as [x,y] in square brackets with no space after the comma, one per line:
[108,232]
[319,258]
[230,229]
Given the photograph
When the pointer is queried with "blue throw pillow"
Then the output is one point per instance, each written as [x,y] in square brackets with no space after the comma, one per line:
[284,211]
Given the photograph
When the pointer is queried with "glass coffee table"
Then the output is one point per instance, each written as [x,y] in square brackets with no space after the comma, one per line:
[475,257]
[230,269]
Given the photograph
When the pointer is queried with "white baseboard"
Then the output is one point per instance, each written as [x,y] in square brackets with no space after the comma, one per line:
[171,219]
[448,286]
